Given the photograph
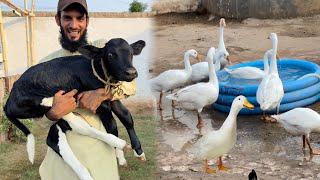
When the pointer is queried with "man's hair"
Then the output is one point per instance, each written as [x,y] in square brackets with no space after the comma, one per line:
[75,6]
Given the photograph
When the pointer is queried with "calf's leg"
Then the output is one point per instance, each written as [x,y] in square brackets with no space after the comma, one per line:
[80,126]
[126,119]
[109,123]
[57,140]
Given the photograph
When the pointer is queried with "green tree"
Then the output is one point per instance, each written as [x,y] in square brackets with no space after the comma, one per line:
[137,6]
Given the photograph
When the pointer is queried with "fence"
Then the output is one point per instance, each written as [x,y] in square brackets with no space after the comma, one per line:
[241,9]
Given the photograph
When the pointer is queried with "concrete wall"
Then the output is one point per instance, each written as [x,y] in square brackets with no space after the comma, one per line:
[261,8]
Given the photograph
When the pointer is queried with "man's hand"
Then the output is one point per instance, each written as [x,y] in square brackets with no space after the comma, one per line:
[62,105]
[91,100]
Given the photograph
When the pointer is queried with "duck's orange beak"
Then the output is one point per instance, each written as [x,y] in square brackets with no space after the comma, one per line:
[248,105]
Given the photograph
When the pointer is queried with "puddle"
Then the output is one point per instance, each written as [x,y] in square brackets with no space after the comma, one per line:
[267,148]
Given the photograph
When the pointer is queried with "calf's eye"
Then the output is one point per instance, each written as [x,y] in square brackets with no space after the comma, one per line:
[110,55]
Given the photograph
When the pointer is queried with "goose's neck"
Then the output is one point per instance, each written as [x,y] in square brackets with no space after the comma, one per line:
[221,45]
[231,121]
[234,111]
[266,63]
[217,64]
[186,61]
[212,72]
[273,67]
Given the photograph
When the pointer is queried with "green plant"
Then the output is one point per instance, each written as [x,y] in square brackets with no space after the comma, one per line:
[14,165]
[136,6]
[8,128]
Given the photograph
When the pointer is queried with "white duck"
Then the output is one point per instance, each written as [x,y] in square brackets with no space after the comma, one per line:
[270,91]
[218,142]
[174,78]
[251,72]
[200,71]
[196,96]
[301,121]
[221,47]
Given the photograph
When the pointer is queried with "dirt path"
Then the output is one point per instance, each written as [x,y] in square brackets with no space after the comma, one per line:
[267,148]
[246,40]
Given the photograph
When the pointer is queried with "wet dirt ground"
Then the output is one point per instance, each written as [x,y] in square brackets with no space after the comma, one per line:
[267,148]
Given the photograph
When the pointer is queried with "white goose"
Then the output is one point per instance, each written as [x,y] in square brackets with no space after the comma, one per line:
[251,72]
[221,47]
[301,121]
[196,96]
[218,142]
[172,79]
[270,91]
[200,71]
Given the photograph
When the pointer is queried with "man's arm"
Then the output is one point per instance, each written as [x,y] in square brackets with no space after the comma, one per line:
[91,100]
[62,105]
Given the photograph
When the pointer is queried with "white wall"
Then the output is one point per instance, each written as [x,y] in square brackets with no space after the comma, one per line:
[46,34]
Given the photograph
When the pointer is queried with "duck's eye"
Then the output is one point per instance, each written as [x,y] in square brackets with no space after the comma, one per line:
[110,55]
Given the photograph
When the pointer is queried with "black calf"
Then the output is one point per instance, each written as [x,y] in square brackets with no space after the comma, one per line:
[75,72]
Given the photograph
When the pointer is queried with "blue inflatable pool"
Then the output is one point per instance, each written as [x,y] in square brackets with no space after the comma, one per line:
[298,93]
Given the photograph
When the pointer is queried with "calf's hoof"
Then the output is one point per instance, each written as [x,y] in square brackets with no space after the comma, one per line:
[141,157]
[122,162]
[121,159]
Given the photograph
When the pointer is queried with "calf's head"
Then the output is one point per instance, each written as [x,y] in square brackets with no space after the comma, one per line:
[117,57]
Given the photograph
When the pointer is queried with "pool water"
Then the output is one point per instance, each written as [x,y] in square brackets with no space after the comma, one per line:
[287,73]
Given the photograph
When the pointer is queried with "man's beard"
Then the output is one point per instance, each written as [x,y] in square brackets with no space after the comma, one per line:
[72,46]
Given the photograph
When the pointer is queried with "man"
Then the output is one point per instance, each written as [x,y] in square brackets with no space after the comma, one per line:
[72,18]
[99,158]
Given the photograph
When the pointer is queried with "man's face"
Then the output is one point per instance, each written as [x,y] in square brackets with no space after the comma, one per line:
[73,24]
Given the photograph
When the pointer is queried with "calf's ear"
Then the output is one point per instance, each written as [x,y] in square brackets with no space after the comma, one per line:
[137,47]
[90,52]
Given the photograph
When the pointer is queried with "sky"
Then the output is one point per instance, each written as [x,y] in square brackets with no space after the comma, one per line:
[93,5]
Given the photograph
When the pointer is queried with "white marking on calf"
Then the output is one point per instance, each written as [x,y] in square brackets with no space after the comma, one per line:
[70,158]
[82,127]
[120,156]
[30,147]
[47,102]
